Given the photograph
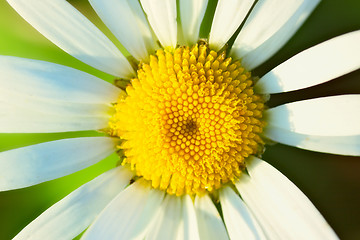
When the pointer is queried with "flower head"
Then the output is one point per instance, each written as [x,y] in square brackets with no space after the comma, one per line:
[189,120]
[186,115]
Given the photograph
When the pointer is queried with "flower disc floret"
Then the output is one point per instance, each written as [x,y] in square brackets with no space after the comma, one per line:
[189,120]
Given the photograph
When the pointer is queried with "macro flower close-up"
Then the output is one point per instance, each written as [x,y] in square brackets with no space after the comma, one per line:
[184,110]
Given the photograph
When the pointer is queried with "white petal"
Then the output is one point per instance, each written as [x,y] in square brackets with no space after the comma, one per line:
[38,96]
[211,226]
[192,13]
[32,103]
[327,116]
[52,81]
[167,221]
[19,114]
[283,211]
[343,145]
[26,166]
[269,26]
[70,216]
[15,119]
[319,64]
[128,23]
[189,228]
[62,24]
[128,215]
[238,220]
[229,14]
[162,18]
[264,215]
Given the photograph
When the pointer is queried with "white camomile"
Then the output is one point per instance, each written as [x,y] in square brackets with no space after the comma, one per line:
[260,203]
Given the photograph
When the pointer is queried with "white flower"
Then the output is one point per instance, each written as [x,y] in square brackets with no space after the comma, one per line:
[44,97]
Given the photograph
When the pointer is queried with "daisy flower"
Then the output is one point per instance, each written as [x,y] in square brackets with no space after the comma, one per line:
[185,115]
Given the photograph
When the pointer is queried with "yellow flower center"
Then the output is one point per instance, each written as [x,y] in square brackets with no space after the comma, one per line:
[189,120]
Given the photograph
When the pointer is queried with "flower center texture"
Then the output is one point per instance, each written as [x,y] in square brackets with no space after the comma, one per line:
[188,120]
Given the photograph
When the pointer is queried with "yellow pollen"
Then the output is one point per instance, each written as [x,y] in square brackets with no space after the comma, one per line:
[189,120]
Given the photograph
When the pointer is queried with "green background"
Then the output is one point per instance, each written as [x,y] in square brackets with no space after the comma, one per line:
[330,181]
